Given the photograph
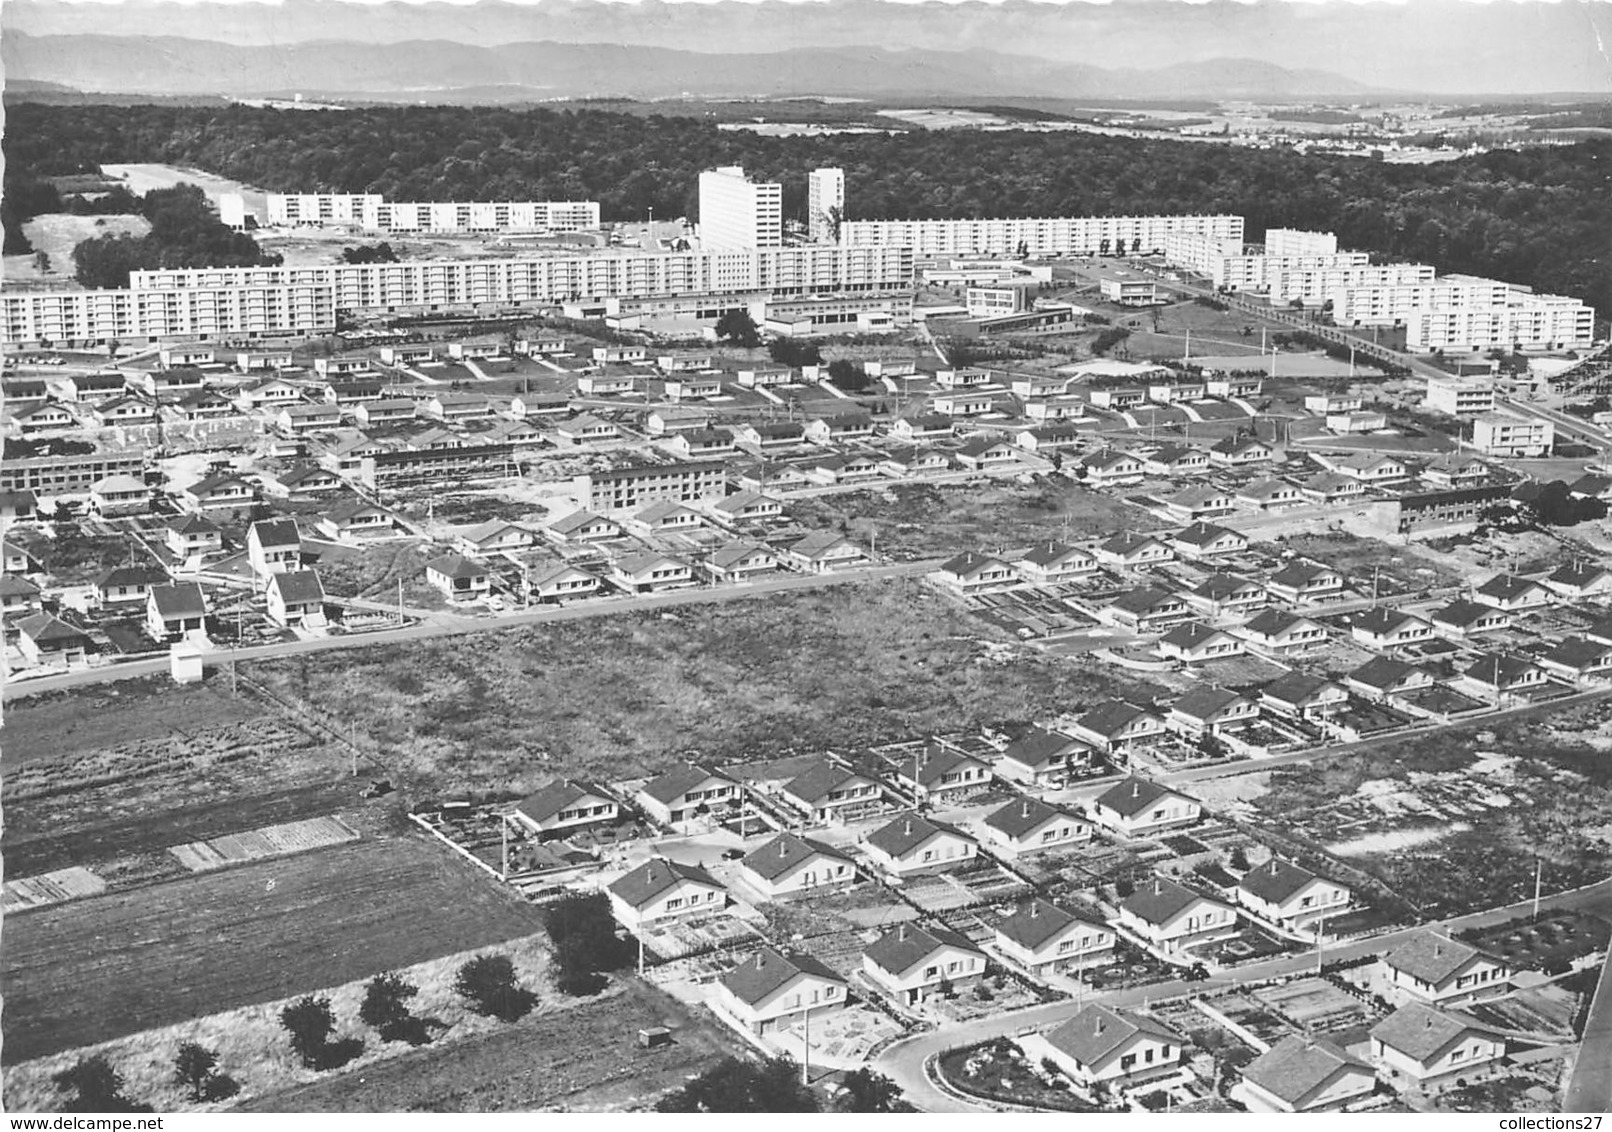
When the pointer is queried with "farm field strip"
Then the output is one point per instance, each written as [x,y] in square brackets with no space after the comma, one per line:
[56,887]
[259,844]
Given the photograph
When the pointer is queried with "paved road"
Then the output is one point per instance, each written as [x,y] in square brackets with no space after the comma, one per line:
[905,1061]
[447,625]
[1590,1088]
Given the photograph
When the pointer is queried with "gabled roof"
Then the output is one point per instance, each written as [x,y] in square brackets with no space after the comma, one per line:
[742,500]
[645,560]
[1173,453]
[1199,494]
[183,599]
[1053,553]
[1295,1067]
[483,532]
[1025,815]
[1094,1034]
[1206,701]
[276,532]
[457,566]
[303,472]
[1267,488]
[1033,924]
[1161,899]
[193,524]
[1143,600]
[1127,542]
[1299,573]
[298,587]
[1232,445]
[818,779]
[1576,652]
[1507,587]
[768,970]
[660,509]
[119,483]
[786,852]
[906,832]
[736,552]
[556,796]
[971,562]
[1577,573]
[1382,619]
[214,481]
[1499,669]
[1462,613]
[1111,716]
[45,628]
[350,508]
[936,761]
[656,876]
[1276,880]
[553,572]
[1218,587]
[1433,958]
[1108,458]
[904,947]
[11,585]
[1038,745]
[674,783]
[1422,1032]
[817,544]
[132,576]
[1383,672]
[577,520]
[1296,687]
[1133,795]
[1269,622]
[1190,634]
[1203,534]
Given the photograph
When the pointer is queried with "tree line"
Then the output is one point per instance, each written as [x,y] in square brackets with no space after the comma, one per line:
[1541,217]
[185,232]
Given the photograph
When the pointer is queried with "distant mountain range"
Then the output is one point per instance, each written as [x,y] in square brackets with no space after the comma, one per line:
[420,69]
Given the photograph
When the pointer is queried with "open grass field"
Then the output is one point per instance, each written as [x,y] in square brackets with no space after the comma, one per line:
[1357,557]
[97,969]
[585,1059]
[622,696]
[57,724]
[925,520]
[58,233]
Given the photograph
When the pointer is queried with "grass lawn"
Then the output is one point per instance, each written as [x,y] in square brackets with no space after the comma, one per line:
[853,665]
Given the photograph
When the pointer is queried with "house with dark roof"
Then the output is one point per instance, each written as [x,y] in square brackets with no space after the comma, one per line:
[20,506]
[176,611]
[1146,609]
[1277,632]
[1222,595]
[942,775]
[1193,642]
[190,534]
[565,805]
[1578,580]
[1208,540]
[1051,563]
[911,845]
[1110,468]
[774,990]
[688,792]
[1029,825]
[663,516]
[1171,915]
[47,641]
[1305,583]
[1290,895]
[1462,619]
[1241,452]
[1421,1046]
[582,526]
[218,490]
[660,890]
[911,963]
[927,426]
[127,585]
[1578,659]
[1511,593]
[1303,695]
[1128,550]
[1498,673]
[1210,710]
[974,573]
[739,560]
[1043,757]
[559,582]
[1140,807]
[745,507]
[273,546]
[1305,1074]
[987,452]
[1436,969]
[1382,627]
[18,598]
[1198,502]
[826,791]
[353,520]
[1331,487]
[1115,726]
[1102,1044]
[1270,494]
[459,578]
[822,552]
[790,865]
[120,495]
[1044,938]
[1176,460]
[1049,438]
[1383,677]
[493,537]
[649,571]
[296,598]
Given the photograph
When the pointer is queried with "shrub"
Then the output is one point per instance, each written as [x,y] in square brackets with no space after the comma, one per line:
[386,1007]
[488,982]
[96,1086]
[310,1023]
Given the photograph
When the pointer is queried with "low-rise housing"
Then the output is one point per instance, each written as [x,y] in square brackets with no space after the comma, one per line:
[910,845]
[1291,896]
[1171,915]
[790,865]
[772,990]
[1102,1044]
[1305,1074]
[1433,968]
[687,792]
[1140,807]
[566,805]
[1028,825]
[1043,938]
[912,963]
[660,889]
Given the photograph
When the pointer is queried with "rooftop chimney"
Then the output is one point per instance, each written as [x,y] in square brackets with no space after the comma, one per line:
[901,933]
[1035,910]
[1025,810]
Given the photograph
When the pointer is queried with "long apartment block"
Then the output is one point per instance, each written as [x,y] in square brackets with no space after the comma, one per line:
[1069,235]
[373,213]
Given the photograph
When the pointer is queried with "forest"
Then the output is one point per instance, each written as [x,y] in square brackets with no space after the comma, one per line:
[185,232]
[1539,216]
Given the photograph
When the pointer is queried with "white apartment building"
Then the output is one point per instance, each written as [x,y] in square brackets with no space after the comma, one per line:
[738,213]
[250,310]
[1077,235]
[1199,252]
[1503,433]
[1315,285]
[1394,304]
[1293,242]
[298,210]
[1460,398]
[1524,321]
[481,216]
[825,199]
[1256,273]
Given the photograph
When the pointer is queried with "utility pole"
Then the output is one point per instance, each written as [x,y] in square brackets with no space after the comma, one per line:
[1539,874]
[806,1052]
[503,826]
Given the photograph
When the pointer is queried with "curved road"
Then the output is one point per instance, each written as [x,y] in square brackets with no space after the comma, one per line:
[905,1062]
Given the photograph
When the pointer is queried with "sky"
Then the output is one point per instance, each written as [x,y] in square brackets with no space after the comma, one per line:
[1521,46]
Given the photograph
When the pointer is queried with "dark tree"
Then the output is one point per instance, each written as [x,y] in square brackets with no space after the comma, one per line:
[369,253]
[863,1090]
[193,1068]
[310,1023]
[96,1087]
[732,1085]
[386,1006]
[488,982]
[585,943]
[738,327]
[847,375]
[794,353]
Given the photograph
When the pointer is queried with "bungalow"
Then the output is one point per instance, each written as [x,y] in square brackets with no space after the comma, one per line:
[407,355]
[1300,583]
[693,387]
[263,359]
[821,552]
[493,537]
[1054,409]
[1511,593]
[649,571]
[914,462]
[171,356]
[1052,563]
[1171,915]
[1173,392]
[839,429]
[740,560]
[1028,825]
[353,519]
[963,377]
[120,495]
[1118,398]
[1578,580]
[986,452]
[99,385]
[913,963]
[335,367]
[686,792]
[620,355]
[1115,726]
[176,611]
[606,384]
[1042,757]
[773,991]
[663,517]
[965,403]
[1140,807]
[1101,1044]
[273,546]
[745,507]
[1436,969]
[46,641]
[1290,896]
[834,468]
[581,527]
[1280,633]
[218,490]
[827,791]
[770,436]
[127,585]
[23,556]
[1578,658]
[1271,494]
[1366,467]
[1241,452]
[1176,460]
[1383,677]
[927,426]
[1031,385]
[1462,618]
[1424,1046]
[790,866]
[460,579]
[124,411]
[1045,938]
[388,410]
[1229,386]
[192,534]
[762,476]
[1048,438]
[1305,1074]
[47,417]
[1207,710]
[1356,423]
[307,479]
[455,407]
[1208,540]
[298,420]
[660,890]
[1505,672]
[943,775]
[971,573]
[1600,630]
[559,582]
[1331,487]
[18,598]
[1384,628]
[910,845]
[691,444]
[526,406]
[1147,609]
[1300,695]
[1226,594]
[1128,550]
[766,377]
[1192,642]
[296,598]
[271,393]
[353,392]
[1110,468]
[565,805]
[1197,502]
[586,429]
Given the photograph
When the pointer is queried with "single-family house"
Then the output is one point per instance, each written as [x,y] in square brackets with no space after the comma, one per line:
[664,517]
[1207,710]
[1045,938]
[18,598]
[585,429]
[1111,468]
[386,410]
[1140,807]
[829,792]
[1305,583]
[127,585]
[1270,494]
[1302,695]
[973,573]
[1326,488]
[943,775]
[699,444]
[1147,609]
[745,507]
[1383,627]
[660,889]
[19,506]
[582,527]
[1208,540]
[1279,633]
[218,490]
[296,598]
[790,865]
[1043,757]
[926,426]
[1511,593]
[770,436]
[41,418]
[1200,501]
[1115,726]
[1103,1045]
[460,579]
[1501,673]
[1579,580]
[916,461]
[1423,1046]
[1383,677]
[493,537]
[1193,642]
[1290,895]
[606,384]
[1305,1074]
[649,571]
[1578,658]
[566,805]
[987,452]
[1128,550]
[910,844]
[1226,595]
[772,990]
[740,560]
[965,402]
[191,534]
[1053,563]
[559,581]
[307,479]
[298,420]
[273,546]
[1028,825]
[1366,467]
[46,641]
[839,429]
[1118,398]
[351,520]
[1176,460]
[176,611]
[912,963]
[821,552]
[204,405]
[1048,439]
[270,393]
[1436,969]
[1171,915]
[1462,619]
[120,495]
[688,792]
[1241,452]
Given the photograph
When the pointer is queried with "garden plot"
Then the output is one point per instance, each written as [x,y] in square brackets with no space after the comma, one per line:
[1546,1010]
[1550,944]
[680,939]
[847,1035]
[258,844]
[51,888]
[1251,1016]
[987,884]
[1316,1006]
[1251,944]
[995,995]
